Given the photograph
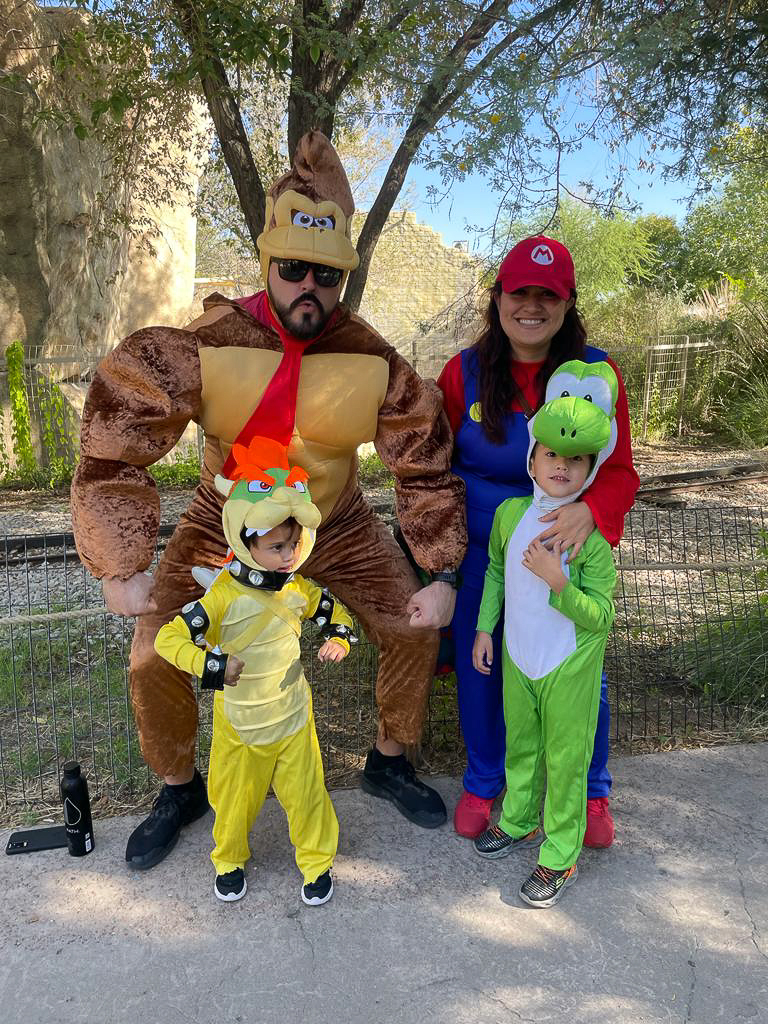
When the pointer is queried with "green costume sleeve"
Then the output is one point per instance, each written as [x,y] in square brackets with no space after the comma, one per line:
[588,597]
[493,588]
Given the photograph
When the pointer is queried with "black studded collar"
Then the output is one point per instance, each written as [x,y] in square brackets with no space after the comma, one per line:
[258,579]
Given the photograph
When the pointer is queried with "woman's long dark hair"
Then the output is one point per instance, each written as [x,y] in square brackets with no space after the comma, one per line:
[497,388]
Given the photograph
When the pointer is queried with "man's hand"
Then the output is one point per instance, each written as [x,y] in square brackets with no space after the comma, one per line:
[232,672]
[482,653]
[572,524]
[432,607]
[130,597]
[331,651]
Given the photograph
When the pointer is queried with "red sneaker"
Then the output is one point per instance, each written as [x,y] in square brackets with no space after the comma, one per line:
[472,815]
[599,831]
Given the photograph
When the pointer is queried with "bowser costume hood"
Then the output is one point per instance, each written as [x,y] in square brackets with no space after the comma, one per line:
[264,492]
[578,418]
[309,210]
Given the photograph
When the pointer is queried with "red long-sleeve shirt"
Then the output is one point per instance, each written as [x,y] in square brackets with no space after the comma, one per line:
[612,492]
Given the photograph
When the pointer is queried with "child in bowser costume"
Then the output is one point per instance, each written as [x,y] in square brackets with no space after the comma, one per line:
[557,615]
[243,634]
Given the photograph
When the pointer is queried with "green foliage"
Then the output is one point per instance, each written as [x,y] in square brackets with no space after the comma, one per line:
[24,451]
[64,688]
[57,426]
[727,235]
[184,471]
[373,473]
[727,657]
[668,247]
[56,423]
[742,392]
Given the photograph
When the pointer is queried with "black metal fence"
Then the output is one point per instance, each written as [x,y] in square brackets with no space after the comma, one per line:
[687,658]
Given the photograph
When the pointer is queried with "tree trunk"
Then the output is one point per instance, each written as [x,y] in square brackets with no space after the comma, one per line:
[228,123]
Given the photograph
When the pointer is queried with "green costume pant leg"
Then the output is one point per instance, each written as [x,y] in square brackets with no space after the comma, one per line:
[524,761]
[551,722]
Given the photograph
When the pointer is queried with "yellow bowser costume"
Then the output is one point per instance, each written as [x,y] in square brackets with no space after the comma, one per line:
[323,397]
[263,730]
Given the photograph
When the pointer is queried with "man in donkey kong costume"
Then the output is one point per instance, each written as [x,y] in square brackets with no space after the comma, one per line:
[294,364]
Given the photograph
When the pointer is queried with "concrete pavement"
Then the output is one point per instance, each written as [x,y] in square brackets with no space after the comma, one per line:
[669,925]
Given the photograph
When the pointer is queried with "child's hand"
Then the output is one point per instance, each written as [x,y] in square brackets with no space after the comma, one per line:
[331,651]
[546,563]
[232,672]
[482,653]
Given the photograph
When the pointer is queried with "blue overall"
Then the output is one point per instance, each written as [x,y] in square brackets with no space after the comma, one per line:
[492,473]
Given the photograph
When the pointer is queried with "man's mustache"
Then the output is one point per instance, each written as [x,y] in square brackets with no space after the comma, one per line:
[306,297]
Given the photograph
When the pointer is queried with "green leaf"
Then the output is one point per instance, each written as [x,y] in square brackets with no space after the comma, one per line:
[314,52]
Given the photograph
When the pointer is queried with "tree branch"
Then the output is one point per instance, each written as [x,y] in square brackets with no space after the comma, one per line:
[227,121]
[449,82]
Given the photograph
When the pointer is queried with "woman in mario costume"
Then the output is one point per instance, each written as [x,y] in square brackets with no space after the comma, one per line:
[491,390]
[290,363]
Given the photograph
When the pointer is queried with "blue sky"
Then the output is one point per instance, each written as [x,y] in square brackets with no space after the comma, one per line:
[472,202]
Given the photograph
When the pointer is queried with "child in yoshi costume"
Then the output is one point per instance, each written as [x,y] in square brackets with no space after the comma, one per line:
[242,640]
[557,615]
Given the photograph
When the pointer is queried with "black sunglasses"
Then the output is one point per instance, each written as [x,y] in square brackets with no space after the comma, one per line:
[297,270]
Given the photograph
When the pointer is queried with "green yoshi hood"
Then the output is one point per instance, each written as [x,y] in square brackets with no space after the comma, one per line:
[578,418]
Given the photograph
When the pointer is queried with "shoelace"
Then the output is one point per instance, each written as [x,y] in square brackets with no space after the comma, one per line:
[545,874]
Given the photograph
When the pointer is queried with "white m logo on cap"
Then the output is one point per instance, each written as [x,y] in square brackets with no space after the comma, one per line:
[542,254]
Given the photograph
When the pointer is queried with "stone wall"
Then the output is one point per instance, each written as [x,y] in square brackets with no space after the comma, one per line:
[420,293]
[67,291]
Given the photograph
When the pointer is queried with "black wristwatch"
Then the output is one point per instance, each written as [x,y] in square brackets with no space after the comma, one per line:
[446,576]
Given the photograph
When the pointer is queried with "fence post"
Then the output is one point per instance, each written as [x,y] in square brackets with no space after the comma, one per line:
[647,388]
[683,379]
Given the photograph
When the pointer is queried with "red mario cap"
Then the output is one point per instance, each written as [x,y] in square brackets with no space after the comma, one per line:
[538,261]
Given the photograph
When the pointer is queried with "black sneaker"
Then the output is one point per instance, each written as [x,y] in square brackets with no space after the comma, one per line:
[318,892]
[395,779]
[544,886]
[231,886]
[152,840]
[495,842]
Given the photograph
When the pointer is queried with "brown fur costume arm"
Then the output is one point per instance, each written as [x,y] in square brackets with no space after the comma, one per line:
[142,397]
[415,442]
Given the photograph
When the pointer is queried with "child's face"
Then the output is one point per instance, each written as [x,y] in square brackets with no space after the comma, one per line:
[277,549]
[559,475]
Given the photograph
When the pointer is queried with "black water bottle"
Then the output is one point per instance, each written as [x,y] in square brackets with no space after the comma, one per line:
[77,810]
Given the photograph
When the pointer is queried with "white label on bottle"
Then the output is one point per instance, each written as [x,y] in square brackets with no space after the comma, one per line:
[88,844]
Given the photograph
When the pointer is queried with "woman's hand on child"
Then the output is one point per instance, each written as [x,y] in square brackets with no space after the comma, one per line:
[571,525]
[482,653]
[232,672]
[331,651]
[546,563]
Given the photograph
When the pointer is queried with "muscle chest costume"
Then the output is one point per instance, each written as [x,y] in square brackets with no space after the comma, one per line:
[493,473]
[263,730]
[324,398]
[553,644]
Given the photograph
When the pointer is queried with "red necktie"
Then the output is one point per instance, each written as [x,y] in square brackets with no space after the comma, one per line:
[275,415]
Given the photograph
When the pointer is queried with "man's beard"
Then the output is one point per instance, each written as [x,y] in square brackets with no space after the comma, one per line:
[301,326]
